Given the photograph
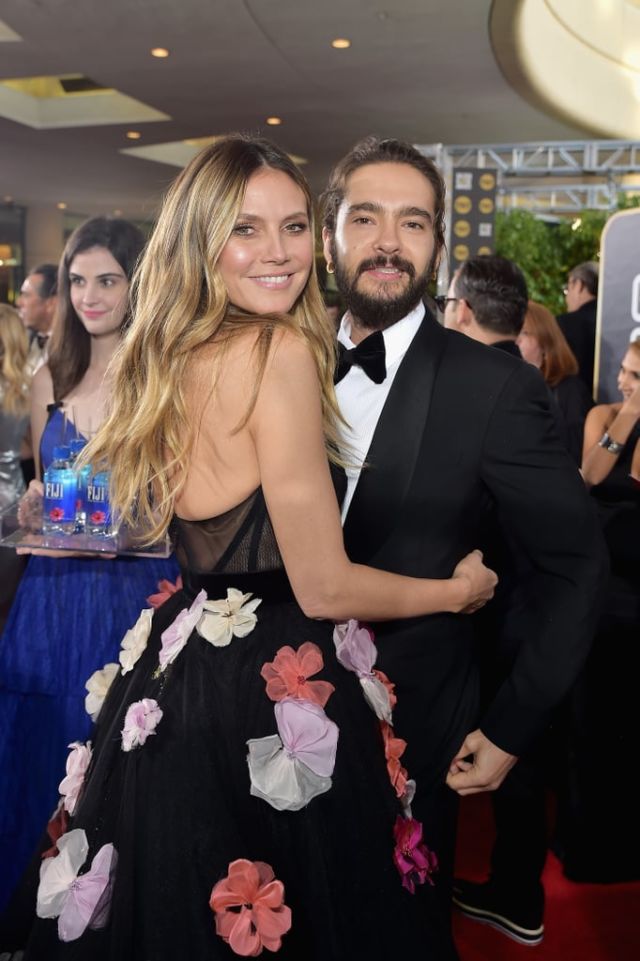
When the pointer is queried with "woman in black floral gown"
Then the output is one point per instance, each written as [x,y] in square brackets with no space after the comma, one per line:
[244,789]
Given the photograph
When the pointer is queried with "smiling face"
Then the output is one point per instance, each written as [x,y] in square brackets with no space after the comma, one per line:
[383,248]
[98,288]
[629,374]
[267,260]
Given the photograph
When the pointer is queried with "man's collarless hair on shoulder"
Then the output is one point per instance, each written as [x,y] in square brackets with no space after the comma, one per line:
[496,291]
[373,150]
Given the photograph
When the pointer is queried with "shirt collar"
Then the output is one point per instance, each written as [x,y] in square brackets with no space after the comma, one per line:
[396,338]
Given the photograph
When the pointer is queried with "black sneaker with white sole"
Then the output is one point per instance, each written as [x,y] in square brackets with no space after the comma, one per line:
[481,902]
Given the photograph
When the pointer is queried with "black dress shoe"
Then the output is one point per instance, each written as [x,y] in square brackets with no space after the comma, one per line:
[482,902]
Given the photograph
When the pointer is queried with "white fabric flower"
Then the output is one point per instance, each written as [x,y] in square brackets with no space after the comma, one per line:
[98,687]
[77,764]
[135,640]
[234,617]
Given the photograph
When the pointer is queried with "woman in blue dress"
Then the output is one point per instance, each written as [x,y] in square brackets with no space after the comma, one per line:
[70,612]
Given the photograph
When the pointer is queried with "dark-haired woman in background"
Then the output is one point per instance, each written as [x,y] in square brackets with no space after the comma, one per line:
[601,812]
[70,612]
[543,344]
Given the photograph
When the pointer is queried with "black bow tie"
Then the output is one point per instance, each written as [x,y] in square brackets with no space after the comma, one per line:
[369,355]
[40,339]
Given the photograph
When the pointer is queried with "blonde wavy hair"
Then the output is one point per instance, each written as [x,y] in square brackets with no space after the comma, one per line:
[179,303]
[14,349]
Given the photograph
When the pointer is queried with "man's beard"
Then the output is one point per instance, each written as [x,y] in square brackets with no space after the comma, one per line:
[377,312]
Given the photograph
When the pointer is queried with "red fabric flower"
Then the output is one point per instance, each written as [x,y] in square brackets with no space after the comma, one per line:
[57,826]
[56,514]
[287,675]
[413,859]
[165,590]
[249,908]
[394,748]
[390,686]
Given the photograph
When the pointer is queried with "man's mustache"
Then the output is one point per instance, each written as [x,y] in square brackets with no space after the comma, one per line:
[381,261]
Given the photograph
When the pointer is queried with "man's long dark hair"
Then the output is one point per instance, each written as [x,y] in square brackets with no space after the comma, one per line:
[70,343]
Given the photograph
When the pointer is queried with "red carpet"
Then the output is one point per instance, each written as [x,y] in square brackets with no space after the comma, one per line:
[583,922]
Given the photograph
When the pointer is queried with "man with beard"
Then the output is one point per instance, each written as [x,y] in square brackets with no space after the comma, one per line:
[446,436]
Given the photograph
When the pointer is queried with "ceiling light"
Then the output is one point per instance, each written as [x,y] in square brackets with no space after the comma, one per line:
[117,213]
[160,52]
[8,199]
[341,43]
[133,135]
[274,121]
[61,205]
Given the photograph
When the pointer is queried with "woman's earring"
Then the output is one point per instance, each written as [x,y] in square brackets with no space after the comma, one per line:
[330,268]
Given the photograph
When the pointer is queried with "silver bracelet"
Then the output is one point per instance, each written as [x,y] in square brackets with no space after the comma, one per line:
[611,445]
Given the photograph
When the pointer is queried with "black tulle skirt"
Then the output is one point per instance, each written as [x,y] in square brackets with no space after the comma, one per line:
[178,809]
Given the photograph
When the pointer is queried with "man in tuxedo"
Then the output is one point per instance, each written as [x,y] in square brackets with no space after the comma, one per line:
[451,434]
[37,306]
[579,323]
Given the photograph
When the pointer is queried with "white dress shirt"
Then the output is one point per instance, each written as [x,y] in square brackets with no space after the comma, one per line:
[361,401]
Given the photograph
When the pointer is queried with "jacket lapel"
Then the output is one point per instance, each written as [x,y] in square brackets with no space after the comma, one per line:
[396,442]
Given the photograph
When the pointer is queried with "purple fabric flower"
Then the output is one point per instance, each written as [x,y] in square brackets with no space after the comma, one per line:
[355,648]
[140,721]
[178,633]
[413,859]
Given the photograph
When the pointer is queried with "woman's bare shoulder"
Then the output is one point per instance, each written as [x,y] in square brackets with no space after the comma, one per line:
[42,384]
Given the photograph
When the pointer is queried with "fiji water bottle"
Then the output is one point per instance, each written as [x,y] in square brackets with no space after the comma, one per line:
[97,505]
[83,476]
[59,507]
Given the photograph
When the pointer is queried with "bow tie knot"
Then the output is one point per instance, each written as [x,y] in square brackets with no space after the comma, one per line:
[369,354]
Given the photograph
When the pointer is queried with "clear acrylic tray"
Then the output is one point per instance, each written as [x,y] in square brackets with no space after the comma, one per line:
[13,535]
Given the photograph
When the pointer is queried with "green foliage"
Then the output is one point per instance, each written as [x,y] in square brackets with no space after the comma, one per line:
[546,252]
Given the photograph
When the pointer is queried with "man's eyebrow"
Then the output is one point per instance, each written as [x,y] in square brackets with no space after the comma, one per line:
[370,207]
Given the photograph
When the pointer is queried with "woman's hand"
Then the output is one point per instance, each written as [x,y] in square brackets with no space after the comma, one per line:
[632,403]
[30,506]
[480,582]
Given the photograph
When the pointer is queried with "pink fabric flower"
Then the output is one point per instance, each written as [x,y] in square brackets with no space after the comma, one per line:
[413,859]
[77,764]
[287,675]
[165,590]
[140,721]
[179,631]
[355,648]
[263,917]
[394,748]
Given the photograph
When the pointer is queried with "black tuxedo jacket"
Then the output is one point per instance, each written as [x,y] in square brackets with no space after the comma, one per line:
[466,441]
[579,327]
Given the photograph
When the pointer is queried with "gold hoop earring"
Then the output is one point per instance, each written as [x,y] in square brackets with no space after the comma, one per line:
[330,268]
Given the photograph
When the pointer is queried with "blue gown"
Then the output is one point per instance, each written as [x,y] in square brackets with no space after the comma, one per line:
[66,622]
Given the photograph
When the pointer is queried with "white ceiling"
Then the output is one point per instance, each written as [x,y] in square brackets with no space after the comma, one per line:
[421,70]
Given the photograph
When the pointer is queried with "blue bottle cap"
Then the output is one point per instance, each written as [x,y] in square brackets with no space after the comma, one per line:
[76,445]
[61,453]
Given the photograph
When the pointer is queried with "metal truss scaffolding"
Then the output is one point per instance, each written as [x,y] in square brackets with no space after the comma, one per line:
[550,178]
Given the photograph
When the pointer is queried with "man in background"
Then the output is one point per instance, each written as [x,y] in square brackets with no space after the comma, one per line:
[579,323]
[37,306]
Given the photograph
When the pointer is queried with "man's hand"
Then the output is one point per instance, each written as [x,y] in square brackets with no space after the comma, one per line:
[486,772]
